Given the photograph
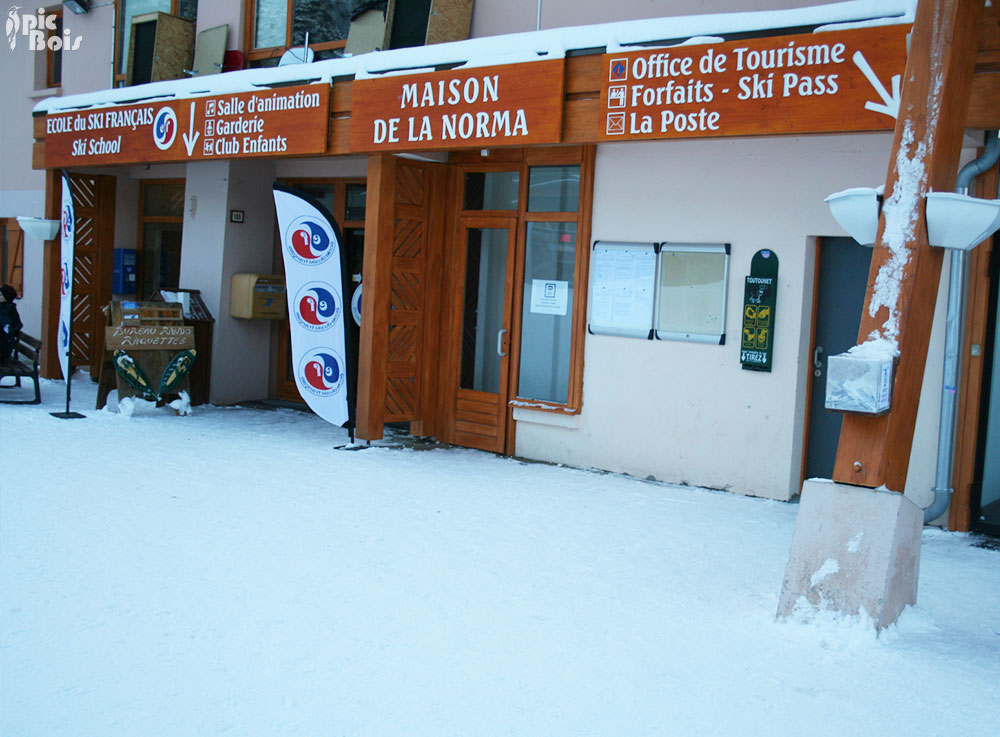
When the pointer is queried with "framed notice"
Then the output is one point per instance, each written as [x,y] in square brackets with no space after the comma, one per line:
[622,289]
[693,280]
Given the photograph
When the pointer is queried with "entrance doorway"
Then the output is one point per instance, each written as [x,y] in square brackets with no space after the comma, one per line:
[513,263]
[345,199]
[841,280]
[484,362]
[986,490]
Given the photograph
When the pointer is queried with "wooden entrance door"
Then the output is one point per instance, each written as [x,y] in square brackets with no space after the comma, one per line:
[480,370]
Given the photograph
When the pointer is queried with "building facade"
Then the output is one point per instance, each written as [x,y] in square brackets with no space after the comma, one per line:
[559,223]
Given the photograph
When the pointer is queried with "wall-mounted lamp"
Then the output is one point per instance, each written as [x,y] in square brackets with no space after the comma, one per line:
[856,211]
[39,228]
[959,221]
[77,6]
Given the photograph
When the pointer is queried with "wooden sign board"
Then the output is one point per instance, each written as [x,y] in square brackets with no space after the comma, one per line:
[149,338]
[808,83]
[512,105]
[286,121]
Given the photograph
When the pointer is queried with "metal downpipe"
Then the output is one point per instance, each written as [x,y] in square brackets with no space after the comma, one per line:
[954,321]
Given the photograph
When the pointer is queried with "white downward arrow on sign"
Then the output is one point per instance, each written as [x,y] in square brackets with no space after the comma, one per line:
[191,137]
[891,102]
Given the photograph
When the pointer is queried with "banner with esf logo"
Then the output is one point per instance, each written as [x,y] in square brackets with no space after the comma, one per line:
[312,253]
[67,230]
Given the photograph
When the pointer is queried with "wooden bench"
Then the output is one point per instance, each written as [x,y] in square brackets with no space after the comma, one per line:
[23,364]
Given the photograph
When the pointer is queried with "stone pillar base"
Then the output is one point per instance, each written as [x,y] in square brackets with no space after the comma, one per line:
[854,548]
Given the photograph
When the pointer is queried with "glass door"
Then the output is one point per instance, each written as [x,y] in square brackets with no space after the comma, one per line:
[484,340]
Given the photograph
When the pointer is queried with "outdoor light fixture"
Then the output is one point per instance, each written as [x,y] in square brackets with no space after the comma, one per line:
[856,210]
[77,6]
[960,222]
[39,228]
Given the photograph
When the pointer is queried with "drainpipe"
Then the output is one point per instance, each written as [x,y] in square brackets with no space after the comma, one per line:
[953,344]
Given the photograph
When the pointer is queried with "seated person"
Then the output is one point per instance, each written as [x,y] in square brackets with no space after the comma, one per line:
[10,323]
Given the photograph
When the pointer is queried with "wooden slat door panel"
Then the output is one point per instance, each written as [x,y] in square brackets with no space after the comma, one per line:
[406,294]
[94,203]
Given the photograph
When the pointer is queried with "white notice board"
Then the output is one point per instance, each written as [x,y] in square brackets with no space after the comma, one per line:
[622,289]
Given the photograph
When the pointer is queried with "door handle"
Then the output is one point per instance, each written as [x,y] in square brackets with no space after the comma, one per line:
[817,361]
[500,342]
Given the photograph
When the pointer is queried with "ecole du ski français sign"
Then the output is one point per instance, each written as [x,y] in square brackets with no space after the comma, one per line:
[512,105]
[286,121]
[808,83]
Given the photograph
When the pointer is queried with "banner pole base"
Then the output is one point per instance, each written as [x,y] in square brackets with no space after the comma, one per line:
[67,415]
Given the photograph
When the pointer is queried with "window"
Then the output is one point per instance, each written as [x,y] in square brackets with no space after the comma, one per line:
[12,254]
[547,372]
[691,295]
[53,62]
[547,311]
[161,223]
[127,9]
[274,26]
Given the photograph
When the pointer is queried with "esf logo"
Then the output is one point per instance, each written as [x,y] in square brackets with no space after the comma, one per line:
[67,222]
[164,128]
[309,241]
[63,335]
[321,372]
[316,306]
[64,280]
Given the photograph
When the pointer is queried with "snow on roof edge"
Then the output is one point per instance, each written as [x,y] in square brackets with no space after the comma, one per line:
[505,49]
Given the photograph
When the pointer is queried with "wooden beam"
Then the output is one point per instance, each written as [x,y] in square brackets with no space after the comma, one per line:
[377,270]
[428,419]
[903,281]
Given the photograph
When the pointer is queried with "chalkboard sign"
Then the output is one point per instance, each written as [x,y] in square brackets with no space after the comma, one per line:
[760,292]
[622,289]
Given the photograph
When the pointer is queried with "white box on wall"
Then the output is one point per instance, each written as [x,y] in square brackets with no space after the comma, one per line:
[855,384]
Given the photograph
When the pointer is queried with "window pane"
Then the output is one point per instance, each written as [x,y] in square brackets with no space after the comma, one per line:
[323,20]
[55,57]
[485,277]
[354,209]
[163,199]
[692,296]
[321,192]
[547,312]
[161,257]
[553,188]
[188,9]
[132,8]
[496,190]
[271,23]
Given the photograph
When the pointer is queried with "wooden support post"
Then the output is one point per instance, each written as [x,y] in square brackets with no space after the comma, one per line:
[903,281]
[377,270]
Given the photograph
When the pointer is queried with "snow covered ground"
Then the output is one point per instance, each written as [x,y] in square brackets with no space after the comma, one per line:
[231,573]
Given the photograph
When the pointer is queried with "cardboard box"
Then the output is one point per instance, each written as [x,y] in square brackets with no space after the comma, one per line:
[258,296]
